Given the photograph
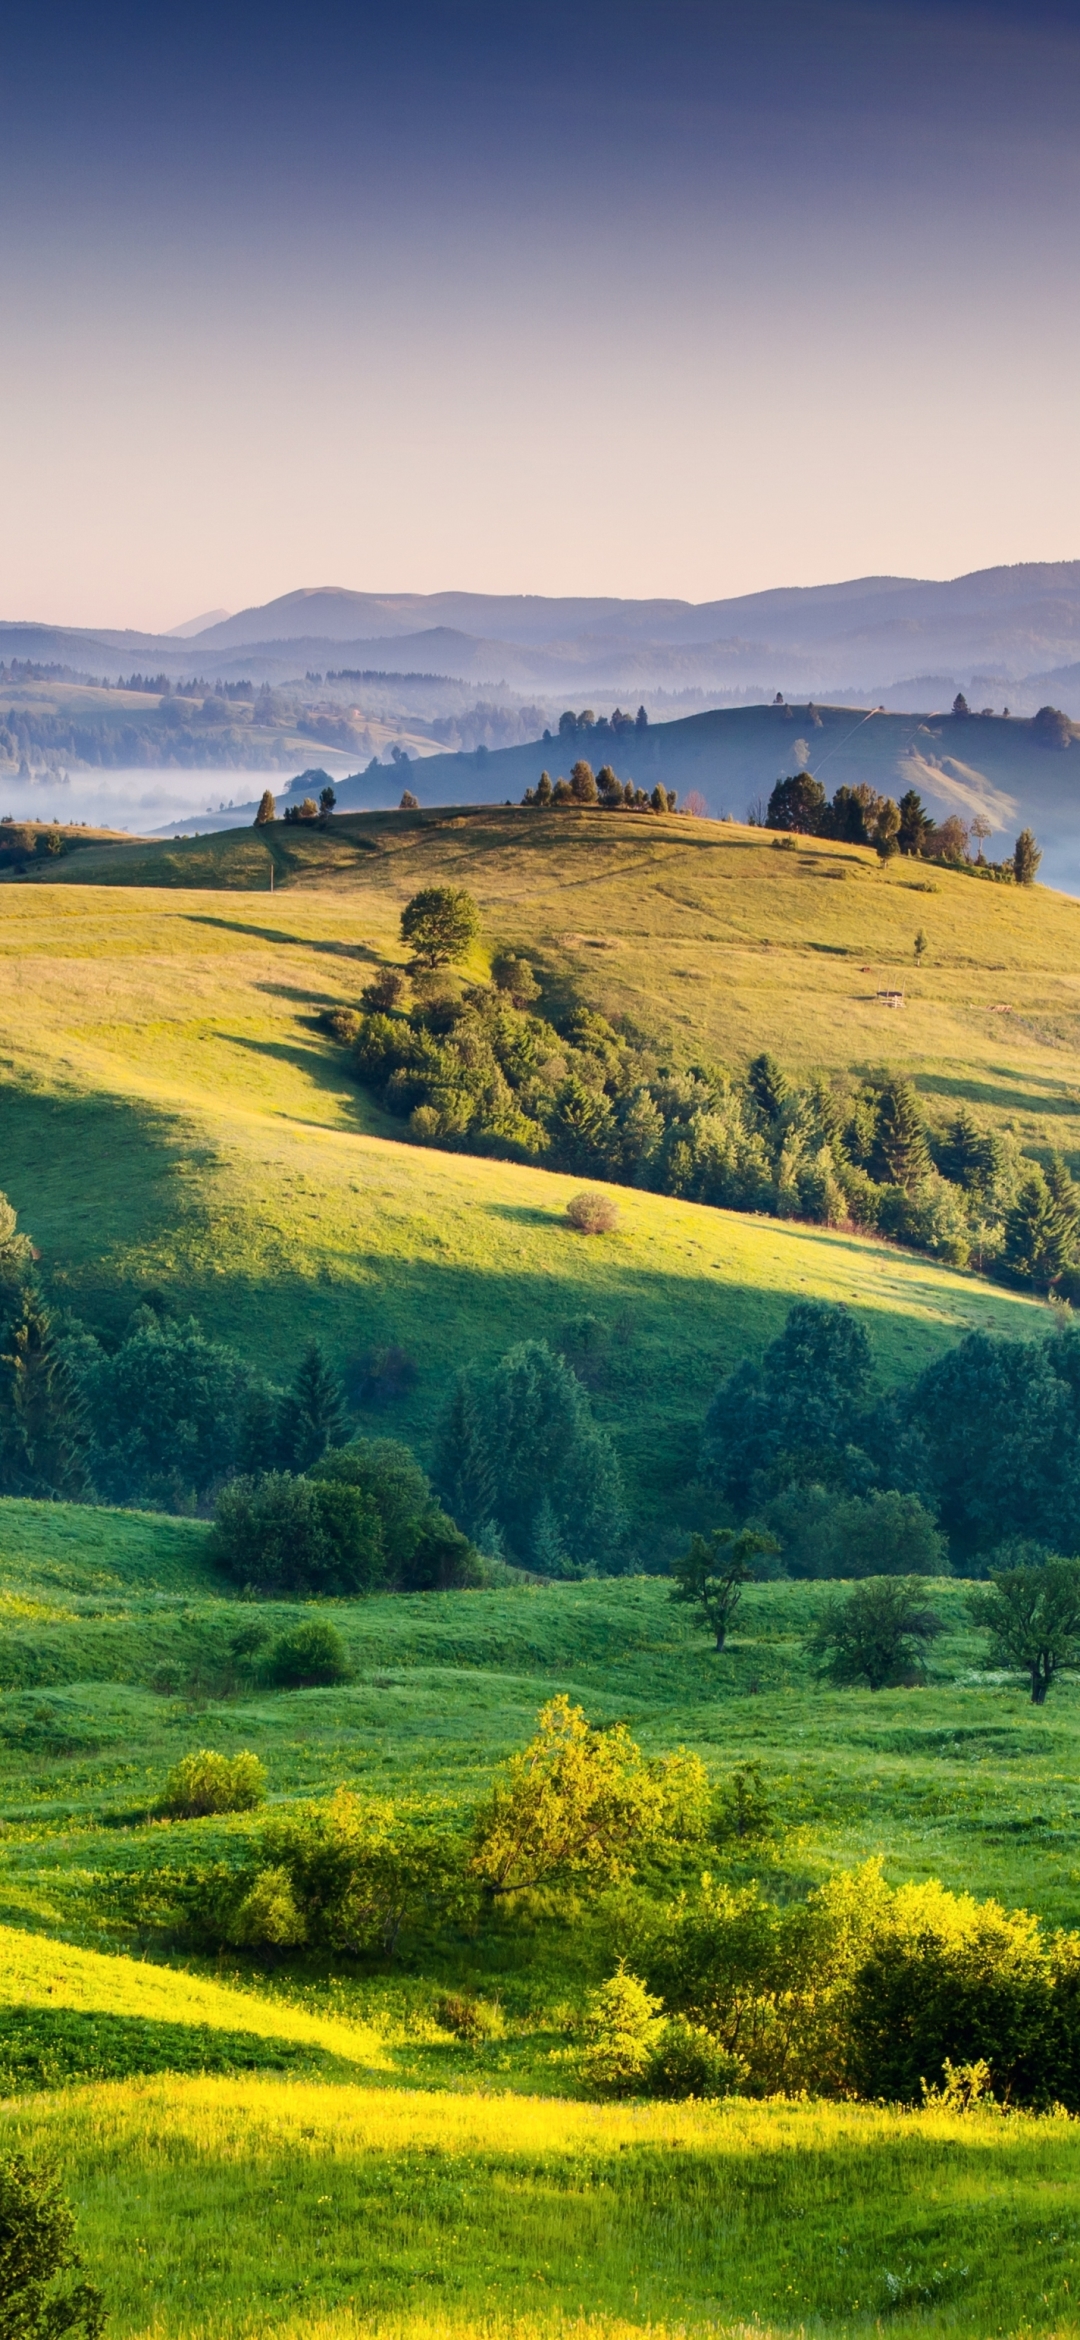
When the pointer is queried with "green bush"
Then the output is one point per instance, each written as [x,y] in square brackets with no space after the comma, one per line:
[207,1782]
[688,2061]
[291,1535]
[307,1657]
[343,1876]
[424,1551]
[37,2245]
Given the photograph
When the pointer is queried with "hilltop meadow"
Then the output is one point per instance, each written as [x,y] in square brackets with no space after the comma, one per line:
[319,2059]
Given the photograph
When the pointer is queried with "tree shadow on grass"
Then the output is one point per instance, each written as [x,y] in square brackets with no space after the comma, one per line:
[1041,1094]
[50,2047]
[276,934]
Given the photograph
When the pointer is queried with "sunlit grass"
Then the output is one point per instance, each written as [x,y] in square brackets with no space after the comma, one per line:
[226,2204]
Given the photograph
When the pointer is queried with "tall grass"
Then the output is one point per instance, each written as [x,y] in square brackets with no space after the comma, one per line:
[230,2205]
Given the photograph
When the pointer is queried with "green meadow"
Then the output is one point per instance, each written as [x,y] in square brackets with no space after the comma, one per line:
[314,2146]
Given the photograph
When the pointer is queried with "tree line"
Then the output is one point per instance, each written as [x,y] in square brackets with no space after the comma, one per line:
[860,816]
[602,788]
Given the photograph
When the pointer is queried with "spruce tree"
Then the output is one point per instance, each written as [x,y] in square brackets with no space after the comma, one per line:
[1039,1236]
[1026,859]
[465,1473]
[42,1434]
[315,1415]
[267,809]
[768,1087]
[901,1156]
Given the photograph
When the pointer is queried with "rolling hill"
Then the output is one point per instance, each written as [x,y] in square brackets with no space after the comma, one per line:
[174,1117]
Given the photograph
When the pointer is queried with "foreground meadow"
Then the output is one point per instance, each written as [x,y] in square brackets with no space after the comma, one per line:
[233,2206]
[319,2147]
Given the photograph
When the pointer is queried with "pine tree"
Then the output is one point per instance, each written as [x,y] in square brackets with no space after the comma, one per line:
[42,1436]
[1026,859]
[768,1087]
[901,1156]
[1039,1237]
[464,1474]
[267,809]
[315,1416]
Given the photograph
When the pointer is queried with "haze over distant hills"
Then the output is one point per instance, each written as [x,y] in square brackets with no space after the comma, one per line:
[1007,634]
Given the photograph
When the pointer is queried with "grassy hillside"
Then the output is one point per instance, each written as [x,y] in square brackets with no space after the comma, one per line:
[424,2185]
[174,1118]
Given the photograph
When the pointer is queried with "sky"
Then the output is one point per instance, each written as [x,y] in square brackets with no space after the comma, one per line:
[617,296]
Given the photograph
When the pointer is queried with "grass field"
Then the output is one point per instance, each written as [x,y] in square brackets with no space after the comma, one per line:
[311,2151]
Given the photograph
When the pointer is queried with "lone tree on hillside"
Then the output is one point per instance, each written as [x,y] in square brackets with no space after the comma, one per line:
[1026,859]
[1033,1616]
[876,1636]
[267,810]
[327,801]
[440,924]
[713,1571]
[37,2244]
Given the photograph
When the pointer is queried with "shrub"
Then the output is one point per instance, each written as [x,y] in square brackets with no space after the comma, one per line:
[583,1803]
[623,2028]
[295,1536]
[37,2244]
[342,1876]
[424,1551]
[592,1213]
[687,2060]
[307,1657]
[206,1782]
[473,2020]
[876,1636]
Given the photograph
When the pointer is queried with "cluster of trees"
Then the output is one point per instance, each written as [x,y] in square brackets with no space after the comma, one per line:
[361,1519]
[979,1453]
[613,726]
[523,1467]
[158,1417]
[482,1068]
[586,787]
[868,1991]
[859,816]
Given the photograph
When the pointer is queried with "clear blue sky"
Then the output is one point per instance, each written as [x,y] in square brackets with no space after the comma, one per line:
[657,297]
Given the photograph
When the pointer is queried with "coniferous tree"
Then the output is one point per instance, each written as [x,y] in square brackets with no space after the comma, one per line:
[42,1421]
[1026,859]
[901,1156]
[768,1087]
[970,1156]
[1040,1236]
[915,823]
[519,1447]
[267,809]
[465,1472]
[314,1417]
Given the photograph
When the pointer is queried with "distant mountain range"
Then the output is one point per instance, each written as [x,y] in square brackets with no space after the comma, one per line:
[1006,635]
